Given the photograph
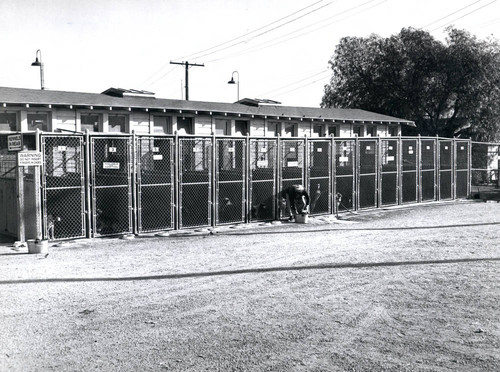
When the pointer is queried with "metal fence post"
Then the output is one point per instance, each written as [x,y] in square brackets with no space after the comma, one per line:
[134,179]
[38,190]
[419,169]
[177,156]
[214,203]
[378,167]
[356,172]
[333,181]
[246,177]
[438,169]
[88,195]
[277,203]
[469,167]
[453,169]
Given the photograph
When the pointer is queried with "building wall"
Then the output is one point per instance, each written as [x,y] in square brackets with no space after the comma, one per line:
[142,122]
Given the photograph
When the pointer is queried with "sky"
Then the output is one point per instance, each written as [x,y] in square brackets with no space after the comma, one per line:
[279,48]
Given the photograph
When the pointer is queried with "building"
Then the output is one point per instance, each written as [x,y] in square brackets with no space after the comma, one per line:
[128,110]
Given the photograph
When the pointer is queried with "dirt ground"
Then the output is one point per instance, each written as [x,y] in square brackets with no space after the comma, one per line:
[402,289]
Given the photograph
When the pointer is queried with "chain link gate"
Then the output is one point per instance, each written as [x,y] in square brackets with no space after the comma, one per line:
[155,183]
[485,165]
[445,169]
[345,171]
[262,179]
[63,187]
[409,171]
[195,182]
[389,170]
[319,176]
[462,169]
[291,171]
[367,180]
[111,185]
[428,172]
[230,180]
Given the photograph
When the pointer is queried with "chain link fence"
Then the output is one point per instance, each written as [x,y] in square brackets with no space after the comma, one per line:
[137,184]
[320,176]
[345,173]
[195,182]
[63,185]
[155,183]
[111,185]
[367,177]
[262,179]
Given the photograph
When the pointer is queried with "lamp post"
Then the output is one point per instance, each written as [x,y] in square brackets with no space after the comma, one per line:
[237,83]
[38,62]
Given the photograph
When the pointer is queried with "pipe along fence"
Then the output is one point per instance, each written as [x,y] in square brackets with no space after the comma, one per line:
[102,184]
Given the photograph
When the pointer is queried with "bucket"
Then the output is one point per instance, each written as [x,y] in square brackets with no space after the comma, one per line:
[38,246]
[301,218]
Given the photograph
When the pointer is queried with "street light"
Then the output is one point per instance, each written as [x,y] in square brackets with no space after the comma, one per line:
[40,64]
[237,82]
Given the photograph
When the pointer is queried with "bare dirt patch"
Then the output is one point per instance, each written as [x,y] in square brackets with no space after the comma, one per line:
[403,289]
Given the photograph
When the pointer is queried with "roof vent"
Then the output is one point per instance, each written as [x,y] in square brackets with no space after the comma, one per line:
[258,102]
[120,92]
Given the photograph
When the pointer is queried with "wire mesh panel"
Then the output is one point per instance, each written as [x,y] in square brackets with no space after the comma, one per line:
[155,177]
[462,169]
[345,165]
[320,176]
[428,169]
[409,171]
[367,192]
[63,187]
[8,188]
[262,179]
[230,180]
[195,163]
[292,165]
[445,169]
[111,185]
[484,167]
[389,155]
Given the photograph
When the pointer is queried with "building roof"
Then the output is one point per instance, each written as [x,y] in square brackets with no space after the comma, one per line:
[36,97]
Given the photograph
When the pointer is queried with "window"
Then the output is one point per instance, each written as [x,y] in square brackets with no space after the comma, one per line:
[371,131]
[117,123]
[222,127]
[184,125]
[290,130]
[241,127]
[393,130]
[334,130]
[357,129]
[273,129]
[317,130]
[38,120]
[162,125]
[90,122]
[8,121]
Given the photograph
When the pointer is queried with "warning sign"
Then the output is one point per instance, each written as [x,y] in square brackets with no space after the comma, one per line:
[15,142]
[29,158]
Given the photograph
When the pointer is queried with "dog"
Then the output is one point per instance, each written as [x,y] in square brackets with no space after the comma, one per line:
[51,225]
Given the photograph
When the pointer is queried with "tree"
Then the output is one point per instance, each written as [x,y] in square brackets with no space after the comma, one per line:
[447,89]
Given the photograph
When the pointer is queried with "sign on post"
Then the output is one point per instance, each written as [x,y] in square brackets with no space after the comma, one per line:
[15,142]
[29,159]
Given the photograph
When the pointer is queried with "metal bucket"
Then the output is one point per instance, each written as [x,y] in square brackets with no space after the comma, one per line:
[38,246]
[302,218]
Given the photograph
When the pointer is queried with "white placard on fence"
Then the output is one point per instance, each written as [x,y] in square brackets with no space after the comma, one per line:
[110,165]
[158,157]
[262,164]
[293,164]
[15,142]
[112,149]
[29,158]
[343,159]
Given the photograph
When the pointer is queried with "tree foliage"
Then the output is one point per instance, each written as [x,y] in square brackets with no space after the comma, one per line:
[450,88]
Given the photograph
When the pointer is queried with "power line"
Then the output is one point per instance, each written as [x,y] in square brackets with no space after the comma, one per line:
[251,32]
[300,87]
[263,45]
[466,14]
[264,32]
[295,82]
[446,16]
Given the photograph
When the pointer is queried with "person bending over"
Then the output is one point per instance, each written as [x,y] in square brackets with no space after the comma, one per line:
[297,198]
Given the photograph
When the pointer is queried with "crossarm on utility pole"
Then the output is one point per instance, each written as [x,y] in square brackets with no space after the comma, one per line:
[186,65]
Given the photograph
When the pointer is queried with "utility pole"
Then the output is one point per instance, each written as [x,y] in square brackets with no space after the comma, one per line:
[187,65]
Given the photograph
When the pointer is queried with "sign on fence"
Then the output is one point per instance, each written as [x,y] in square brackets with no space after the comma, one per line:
[29,158]
[15,142]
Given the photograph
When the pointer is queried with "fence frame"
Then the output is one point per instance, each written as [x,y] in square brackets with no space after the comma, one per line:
[304,148]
